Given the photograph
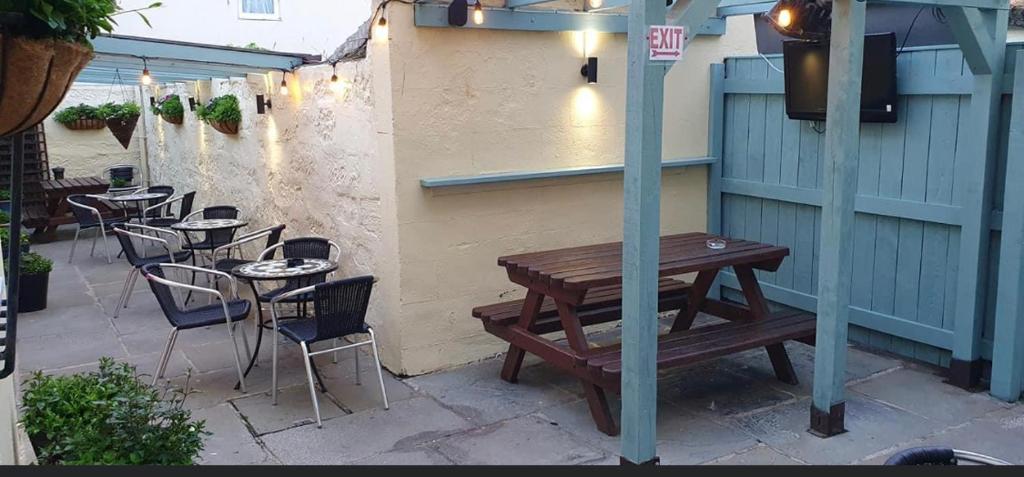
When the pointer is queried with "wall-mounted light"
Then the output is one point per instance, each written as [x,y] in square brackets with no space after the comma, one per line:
[478,13]
[458,12]
[146,78]
[191,103]
[803,19]
[589,70]
[381,30]
[262,105]
[152,101]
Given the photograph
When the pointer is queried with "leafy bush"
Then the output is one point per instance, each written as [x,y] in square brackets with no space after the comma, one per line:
[5,237]
[74,113]
[34,264]
[222,109]
[5,194]
[5,218]
[119,110]
[108,417]
[169,107]
[75,21]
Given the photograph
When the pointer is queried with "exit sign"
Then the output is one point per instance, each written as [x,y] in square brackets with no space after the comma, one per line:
[666,42]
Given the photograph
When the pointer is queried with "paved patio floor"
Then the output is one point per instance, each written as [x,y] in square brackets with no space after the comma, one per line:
[732,411]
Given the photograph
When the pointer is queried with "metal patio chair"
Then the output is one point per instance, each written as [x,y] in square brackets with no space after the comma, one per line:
[228,263]
[160,215]
[150,211]
[88,217]
[214,238]
[302,247]
[138,260]
[339,311]
[126,172]
[230,311]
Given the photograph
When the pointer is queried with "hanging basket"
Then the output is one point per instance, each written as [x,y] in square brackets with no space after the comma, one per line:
[174,119]
[34,77]
[83,124]
[225,127]
[123,129]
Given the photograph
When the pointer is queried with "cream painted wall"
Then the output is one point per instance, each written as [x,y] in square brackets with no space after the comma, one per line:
[476,101]
[87,153]
[314,162]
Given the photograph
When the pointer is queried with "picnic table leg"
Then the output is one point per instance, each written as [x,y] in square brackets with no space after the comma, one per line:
[698,293]
[759,309]
[515,355]
[597,400]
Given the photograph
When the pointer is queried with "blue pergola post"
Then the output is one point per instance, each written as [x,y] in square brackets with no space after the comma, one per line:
[1008,342]
[839,189]
[641,231]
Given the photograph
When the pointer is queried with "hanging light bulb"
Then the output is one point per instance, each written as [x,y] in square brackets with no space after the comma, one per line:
[337,85]
[785,18]
[478,13]
[596,3]
[284,86]
[146,78]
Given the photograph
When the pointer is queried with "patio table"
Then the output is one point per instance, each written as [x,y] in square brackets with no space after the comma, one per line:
[278,270]
[566,276]
[139,198]
[57,210]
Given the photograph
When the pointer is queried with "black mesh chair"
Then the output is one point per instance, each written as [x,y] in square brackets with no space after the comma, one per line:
[230,310]
[155,212]
[88,217]
[161,212]
[125,173]
[303,247]
[172,253]
[339,311]
[222,258]
[214,238]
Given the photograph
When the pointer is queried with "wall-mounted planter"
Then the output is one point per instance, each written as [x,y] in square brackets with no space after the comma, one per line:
[177,120]
[34,77]
[86,124]
[225,127]
[123,129]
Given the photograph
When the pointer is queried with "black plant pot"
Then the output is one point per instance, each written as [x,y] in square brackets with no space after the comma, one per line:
[33,291]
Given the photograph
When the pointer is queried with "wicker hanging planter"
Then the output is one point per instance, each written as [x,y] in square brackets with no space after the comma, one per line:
[123,129]
[83,124]
[178,120]
[226,127]
[34,77]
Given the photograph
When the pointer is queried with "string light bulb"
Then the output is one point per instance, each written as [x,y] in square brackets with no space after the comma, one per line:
[284,86]
[478,13]
[785,18]
[596,3]
[337,85]
[381,31]
[147,79]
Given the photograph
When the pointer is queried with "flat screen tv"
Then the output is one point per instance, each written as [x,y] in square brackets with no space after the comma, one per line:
[806,72]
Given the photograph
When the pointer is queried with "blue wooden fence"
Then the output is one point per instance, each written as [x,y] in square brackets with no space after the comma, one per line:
[907,257]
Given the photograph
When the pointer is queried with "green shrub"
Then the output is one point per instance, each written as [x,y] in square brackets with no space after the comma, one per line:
[108,417]
[34,264]
[119,110]
[5,194]
[67,20]
[74,113]
[5,218]
[222,109]
[169,107]
[5,237]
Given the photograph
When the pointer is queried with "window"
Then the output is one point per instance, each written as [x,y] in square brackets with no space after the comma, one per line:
[259,9]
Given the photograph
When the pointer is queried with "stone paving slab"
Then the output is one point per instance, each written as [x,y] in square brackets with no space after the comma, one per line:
[294,408]
[759,455]
[998,434]
[361,435]
[527,440]
[947,404]
[230,441]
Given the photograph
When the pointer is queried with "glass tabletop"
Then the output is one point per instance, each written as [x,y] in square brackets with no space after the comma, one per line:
[131,197]
[201,225]
[279,269]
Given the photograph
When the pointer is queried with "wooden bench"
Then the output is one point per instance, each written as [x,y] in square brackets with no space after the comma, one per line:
[601,305]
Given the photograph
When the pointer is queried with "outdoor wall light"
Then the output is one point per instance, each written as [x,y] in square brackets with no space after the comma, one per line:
[262,105]
[337,85]
[284,86]
[596,3]
[146,78]
[458,13]
[191,103]
[802,19]
[589,70]
[478,13]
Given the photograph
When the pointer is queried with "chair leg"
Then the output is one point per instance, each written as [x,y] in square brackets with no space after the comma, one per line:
[334,355]
[164,358]
[273,367]
[131,288]
[380,373]
[245,341]
[106,246]
[359,372]
[312,386]
[124,292]
[71,256]
[238,359]
[95,236]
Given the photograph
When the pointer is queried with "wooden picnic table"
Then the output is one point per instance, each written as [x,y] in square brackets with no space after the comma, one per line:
[571,288]
[57,211]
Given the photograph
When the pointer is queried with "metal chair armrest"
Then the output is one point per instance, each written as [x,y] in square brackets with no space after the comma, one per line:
[238,243]
[189,216]
[157,230]
[231,279]
[270,250]
[161,206]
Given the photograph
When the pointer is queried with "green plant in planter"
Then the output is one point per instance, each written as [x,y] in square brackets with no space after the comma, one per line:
[222,109]
[5,238]
[118,110]
[5,218]
[108,417]
[34,264]
[69,115]
[118,182]
[75,21]
[5,195]
[170,108]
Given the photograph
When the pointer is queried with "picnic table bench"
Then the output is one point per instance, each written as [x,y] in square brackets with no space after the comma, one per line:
[57,211]
[571,288]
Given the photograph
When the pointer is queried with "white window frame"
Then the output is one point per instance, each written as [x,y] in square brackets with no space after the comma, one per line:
[243,15]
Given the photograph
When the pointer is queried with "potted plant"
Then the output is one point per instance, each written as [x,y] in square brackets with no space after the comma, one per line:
[5,238]
[108,417]
[45,45]
[121,119]
[80,117]
[222,113]
[35,282]
[170,109]
[5,200]
[5,218]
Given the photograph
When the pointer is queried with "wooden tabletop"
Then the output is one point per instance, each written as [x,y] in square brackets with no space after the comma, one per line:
[581,268]
[73,183]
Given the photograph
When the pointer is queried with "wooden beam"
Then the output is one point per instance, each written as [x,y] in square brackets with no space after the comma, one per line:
[969,27]
[691,14]
[984,4]
[716,134]
[1008,339]
[524,3]
[645,94]
[839,190]
[974,182]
